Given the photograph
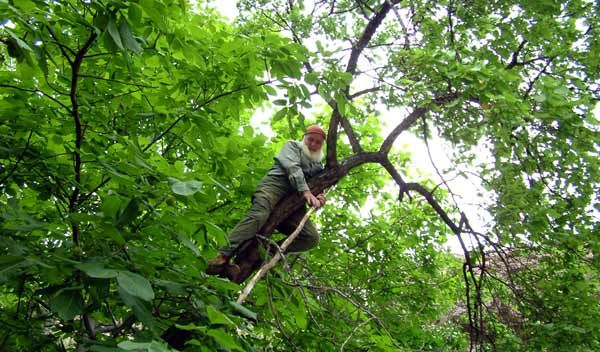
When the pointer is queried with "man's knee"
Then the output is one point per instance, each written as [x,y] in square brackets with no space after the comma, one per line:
[308,239]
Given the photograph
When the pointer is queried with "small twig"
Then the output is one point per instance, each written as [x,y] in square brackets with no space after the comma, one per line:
[288,267]
[353,332]
[116,81]
[36,90]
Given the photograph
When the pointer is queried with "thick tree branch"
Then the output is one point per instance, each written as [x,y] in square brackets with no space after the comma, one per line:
[536,78]
[387,165]
[332,138]
[411,119]
[403,126]
[367,34]
[515,55]
[356,148]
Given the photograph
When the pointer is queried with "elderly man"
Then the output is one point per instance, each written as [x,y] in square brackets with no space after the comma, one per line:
[296,162]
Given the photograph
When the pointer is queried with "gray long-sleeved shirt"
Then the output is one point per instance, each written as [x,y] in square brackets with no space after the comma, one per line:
[291,161]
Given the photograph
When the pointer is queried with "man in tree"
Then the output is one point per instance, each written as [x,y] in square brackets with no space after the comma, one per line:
[296,162]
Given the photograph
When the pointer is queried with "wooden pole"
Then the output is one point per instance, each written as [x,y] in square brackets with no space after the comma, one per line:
[276,258]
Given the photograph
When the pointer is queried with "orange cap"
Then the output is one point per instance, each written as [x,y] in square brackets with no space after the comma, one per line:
[316,129]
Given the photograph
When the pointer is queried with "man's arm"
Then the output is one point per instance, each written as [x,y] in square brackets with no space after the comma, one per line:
[289,158]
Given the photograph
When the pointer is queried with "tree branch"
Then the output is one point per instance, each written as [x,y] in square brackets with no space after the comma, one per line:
[356,148]
[61,46]
[367,34]
[411,119]
[515,55]
[36,90]
[332,139]
[75,66]
[116,81]
[403,126]
[363,92]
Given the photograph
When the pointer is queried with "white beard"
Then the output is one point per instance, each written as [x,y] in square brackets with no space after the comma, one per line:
[313,156]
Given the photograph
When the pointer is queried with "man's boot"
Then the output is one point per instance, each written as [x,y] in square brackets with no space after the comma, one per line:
[218,265]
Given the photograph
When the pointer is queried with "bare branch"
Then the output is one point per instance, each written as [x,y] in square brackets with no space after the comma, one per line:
[36,90]
[116,81]
[515,55]
[363,92]
[353,332]
[403,126]
[368,33]
[411,119]
[246,291]
[332,138]
[61,46]
[75,66]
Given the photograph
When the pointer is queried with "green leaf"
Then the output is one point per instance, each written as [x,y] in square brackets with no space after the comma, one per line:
[135,285]
[130,212]
[188,243]
[114,31]
[243,310]
[562,91]
[127,38]
[226,341]
[540,98]
[10,265]
[141,308]
[312,78]
[135,14]
[300,317]
[111,205]
[280,114]
[99,348]
[184,188]
[270,90]
[216,317]
[154,346]
[17,40]
[97,270]
[67,304]
[341,103]
[220,185]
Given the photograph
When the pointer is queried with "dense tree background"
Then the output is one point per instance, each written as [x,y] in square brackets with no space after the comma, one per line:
[127,154]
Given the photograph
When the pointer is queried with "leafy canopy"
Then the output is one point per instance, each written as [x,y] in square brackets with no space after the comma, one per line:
[127,155]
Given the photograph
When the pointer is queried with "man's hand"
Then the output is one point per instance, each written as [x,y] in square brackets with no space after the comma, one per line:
[322,200]
[311,199]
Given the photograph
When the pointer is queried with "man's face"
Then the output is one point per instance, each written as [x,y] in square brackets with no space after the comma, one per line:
[314,142]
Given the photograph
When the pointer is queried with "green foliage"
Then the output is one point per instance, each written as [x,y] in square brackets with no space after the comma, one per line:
[127,155]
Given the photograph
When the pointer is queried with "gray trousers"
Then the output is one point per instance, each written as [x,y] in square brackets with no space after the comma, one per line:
[268,193]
